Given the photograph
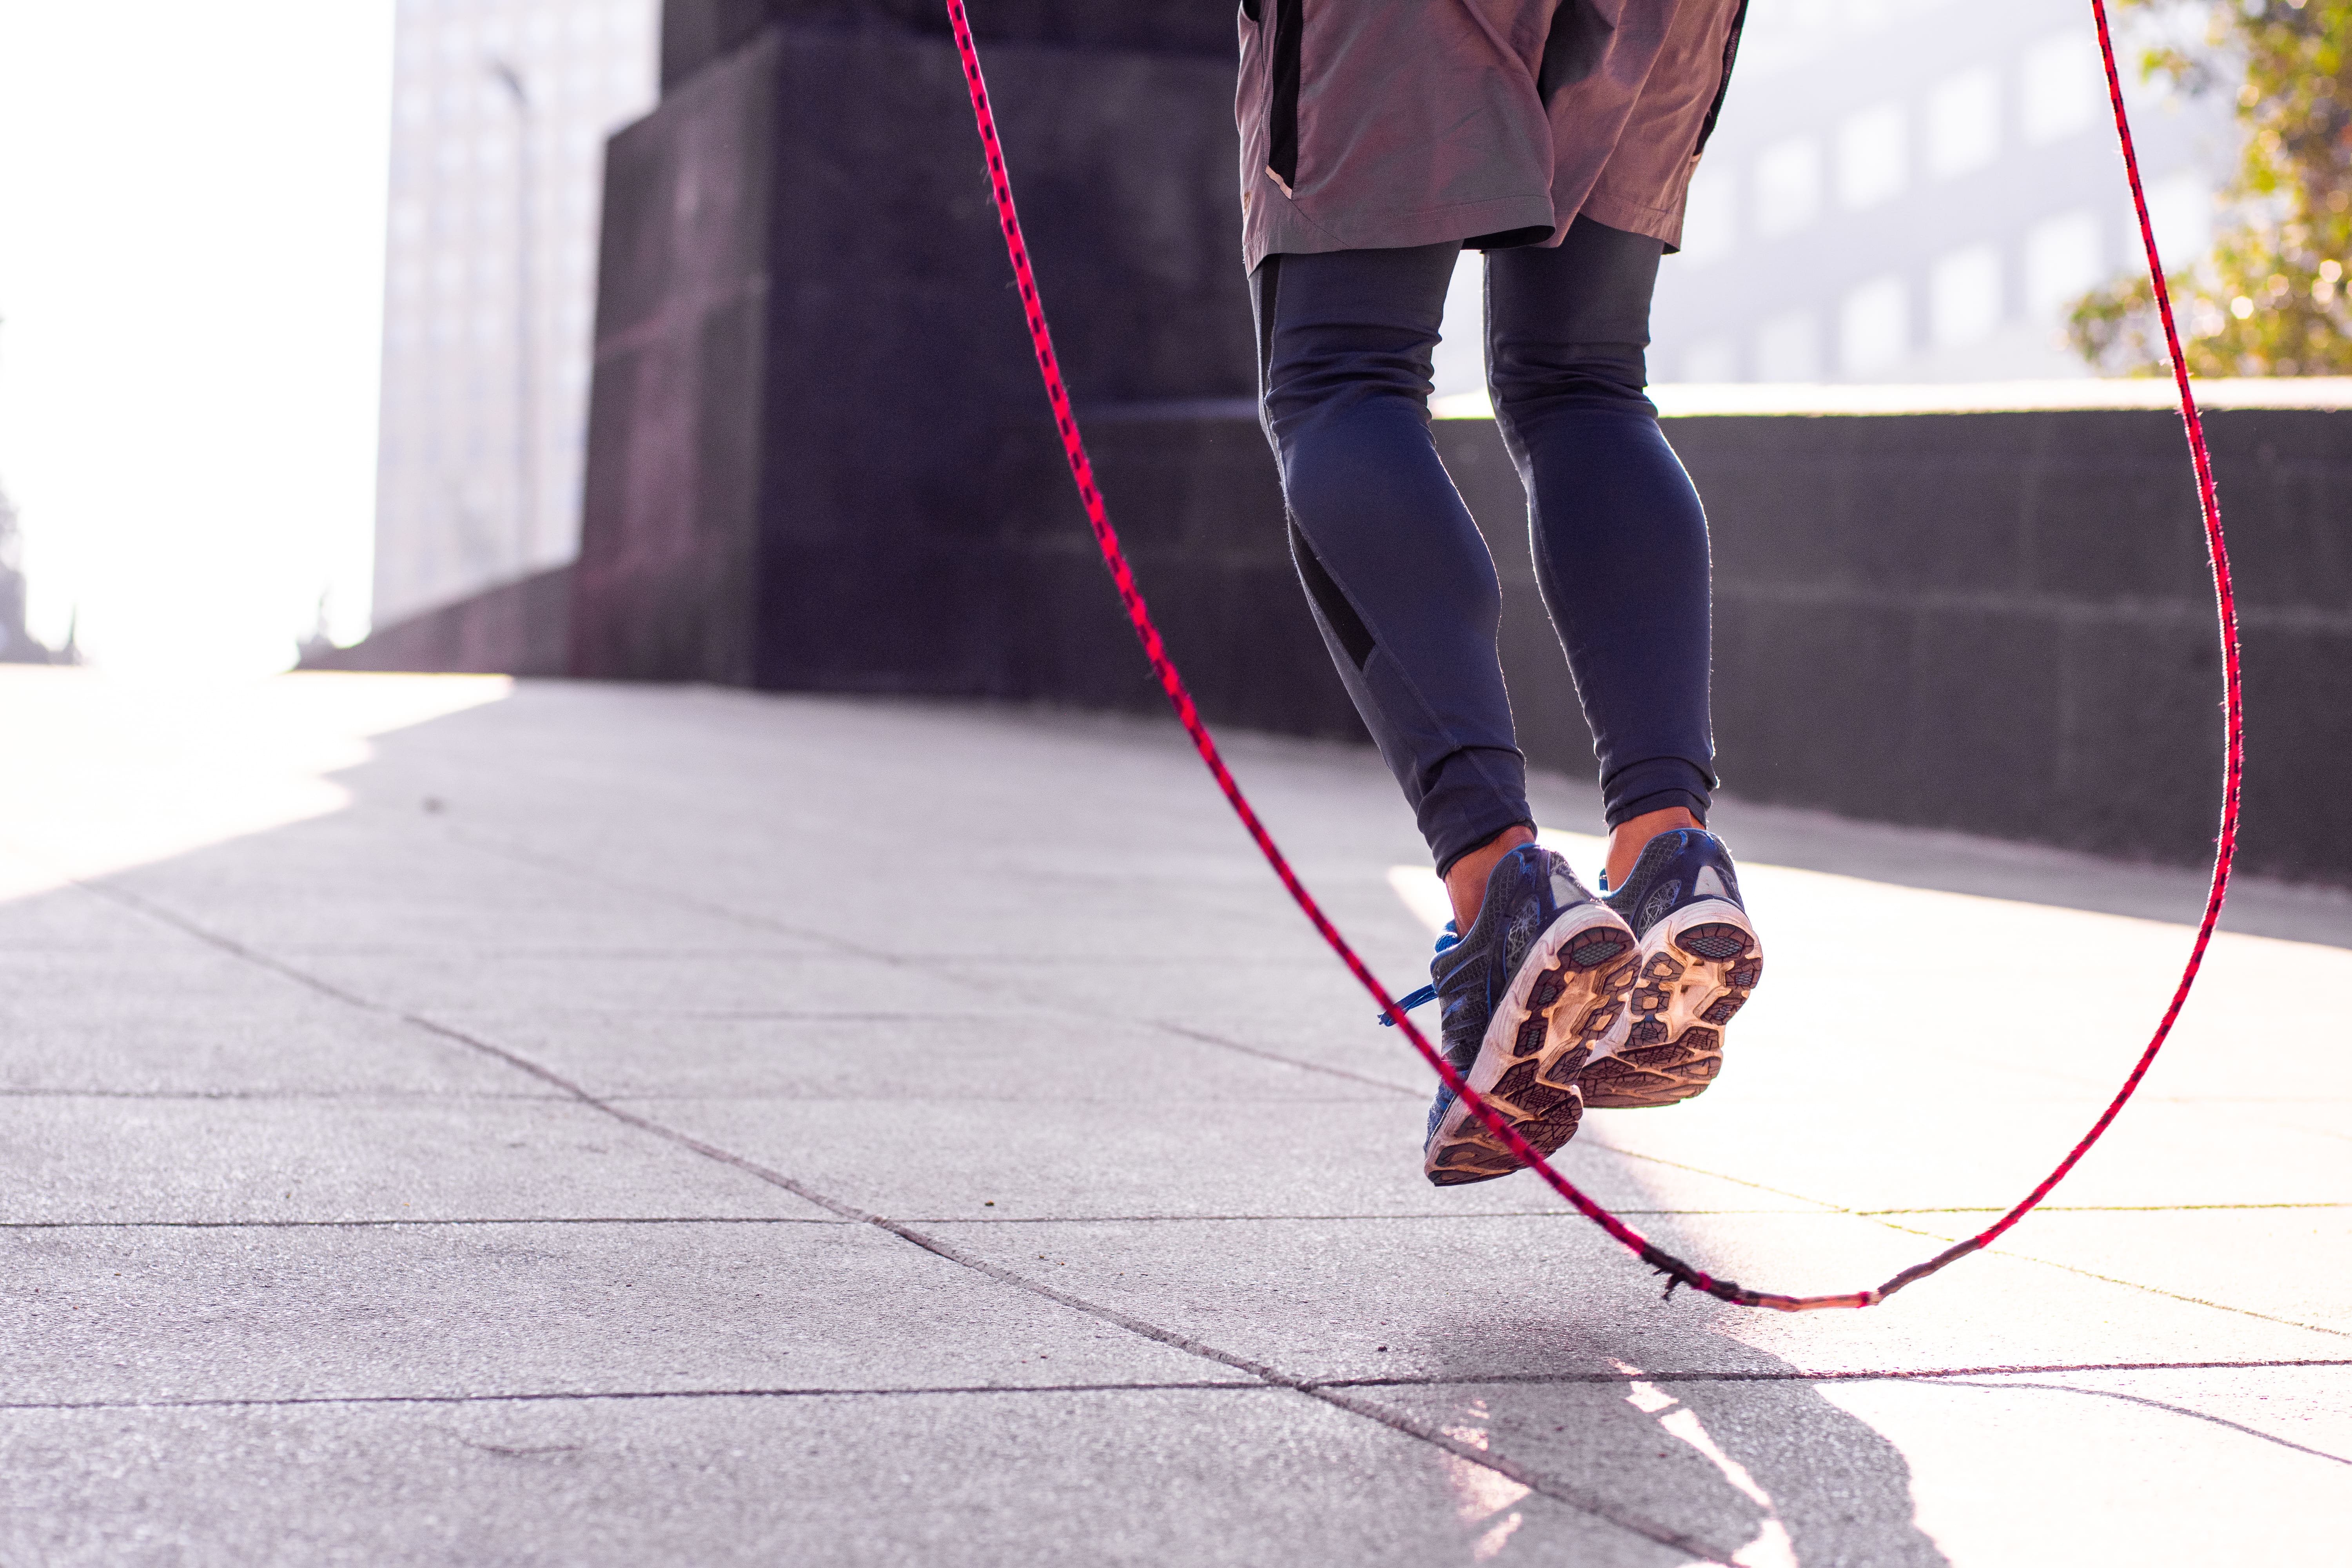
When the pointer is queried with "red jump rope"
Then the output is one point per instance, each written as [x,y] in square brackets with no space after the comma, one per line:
[1678,1271]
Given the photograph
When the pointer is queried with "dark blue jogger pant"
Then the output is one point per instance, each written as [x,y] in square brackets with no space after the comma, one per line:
[1399,576]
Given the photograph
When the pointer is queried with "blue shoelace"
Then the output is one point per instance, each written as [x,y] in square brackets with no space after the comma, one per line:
[1411,1000]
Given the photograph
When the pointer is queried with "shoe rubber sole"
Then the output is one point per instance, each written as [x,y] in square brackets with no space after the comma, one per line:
[1565,998]
[1697,967]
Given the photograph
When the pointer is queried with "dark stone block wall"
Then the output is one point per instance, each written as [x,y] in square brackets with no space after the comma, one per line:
[819,459]
[818,455]
[697,32]
[670,523]
[1996,622]
[2000,623]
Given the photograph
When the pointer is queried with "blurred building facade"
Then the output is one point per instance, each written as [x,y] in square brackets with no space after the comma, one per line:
[501,109]
[1910,190]
[1919,190]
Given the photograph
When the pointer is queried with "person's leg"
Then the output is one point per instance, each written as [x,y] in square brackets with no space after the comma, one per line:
[1537,971]
[1398,574]
[1621,554]
[1619,537]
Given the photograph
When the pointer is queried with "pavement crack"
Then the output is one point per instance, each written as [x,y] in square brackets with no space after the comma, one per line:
[1884,1217]
[265,1096]
[1349,1396]
[1876,1213]
[2173,1409]
[1557,1490]
[1799,1374]
[586,1395]
[2011,1251]
[566,1086]
[404,1223]
[1202,1036]
[525,855]
[504,1451]
[1448,1217]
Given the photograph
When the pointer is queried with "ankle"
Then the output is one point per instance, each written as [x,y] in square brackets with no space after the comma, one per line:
[1465,882]
[1631,836]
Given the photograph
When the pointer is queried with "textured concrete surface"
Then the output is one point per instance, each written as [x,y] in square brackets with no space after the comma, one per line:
[443,1120]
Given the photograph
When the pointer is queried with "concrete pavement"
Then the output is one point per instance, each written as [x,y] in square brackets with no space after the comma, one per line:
[447,1120]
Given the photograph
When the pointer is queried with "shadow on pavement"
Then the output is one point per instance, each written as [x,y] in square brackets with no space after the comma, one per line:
[1754,1467]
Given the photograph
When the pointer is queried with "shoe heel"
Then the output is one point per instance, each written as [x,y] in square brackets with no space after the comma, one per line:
[1695,976]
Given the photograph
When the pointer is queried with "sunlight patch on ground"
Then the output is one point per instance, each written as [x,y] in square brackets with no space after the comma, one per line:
[1893,1018]
[108,771]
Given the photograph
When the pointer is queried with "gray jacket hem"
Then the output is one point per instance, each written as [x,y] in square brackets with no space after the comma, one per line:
[1285,228]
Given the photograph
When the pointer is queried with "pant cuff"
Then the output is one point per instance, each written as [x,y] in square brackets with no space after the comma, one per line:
[1477,792]
[1656,785]
[1448,857]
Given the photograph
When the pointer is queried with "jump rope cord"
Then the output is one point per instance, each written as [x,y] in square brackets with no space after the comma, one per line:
[1678,1271]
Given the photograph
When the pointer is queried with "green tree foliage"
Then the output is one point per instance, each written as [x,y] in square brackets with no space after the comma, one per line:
[2271,298]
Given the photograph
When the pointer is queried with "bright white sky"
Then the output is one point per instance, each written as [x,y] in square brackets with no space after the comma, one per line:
[192,207]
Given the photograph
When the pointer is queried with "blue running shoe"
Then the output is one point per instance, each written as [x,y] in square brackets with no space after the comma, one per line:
[1540,978]
[1699,960]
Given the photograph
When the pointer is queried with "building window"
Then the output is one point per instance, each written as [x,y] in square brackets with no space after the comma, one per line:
[1787,348]
[1963,123]
[2062,261]
[2061,87]
[1964,296]
[1874,326]
[1872,157]
[1787,185]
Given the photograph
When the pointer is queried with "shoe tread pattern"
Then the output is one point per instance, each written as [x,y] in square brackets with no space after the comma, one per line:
[1571,1006]
[1691,984]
